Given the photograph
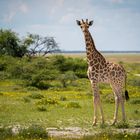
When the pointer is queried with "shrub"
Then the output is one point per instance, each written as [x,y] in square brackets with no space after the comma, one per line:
[41,108]
[134,81]
[122,125]
[77,65]
[26,99]
[32,88]
[136,111]
[62,98]
[41,84]
[59,62]
[41,78]
[15,70]
[8,67]
[67,78]
[137,125]
[4,75]
[3,64]
[5,132]
[81,73]
[1,94]
[73,105]
[89,94]
[34,131]
[135,101]
[36,96]
[47,101]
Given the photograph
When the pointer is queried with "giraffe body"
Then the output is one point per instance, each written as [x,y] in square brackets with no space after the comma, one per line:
[102,71]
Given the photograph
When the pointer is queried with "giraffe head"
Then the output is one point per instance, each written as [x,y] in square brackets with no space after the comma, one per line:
[84,24]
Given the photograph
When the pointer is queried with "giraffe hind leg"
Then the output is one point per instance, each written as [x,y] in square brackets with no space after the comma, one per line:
[119,100]
[116,109]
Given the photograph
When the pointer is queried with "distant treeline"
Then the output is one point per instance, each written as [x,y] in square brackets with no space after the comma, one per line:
[101,51]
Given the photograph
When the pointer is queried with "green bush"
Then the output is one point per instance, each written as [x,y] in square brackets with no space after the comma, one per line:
[77,65]
[137,125]
[59,62]
[73,105]
[1,94]
[136,111]
[6,63]
[26,99]
[134,81]
[62,98]
[122,125]
[34,131]
[15,70]
[5,132]
[135,101]
[41,108]
[32,88]
[36,96]
[67,78]
[41,78]
[3,64]
[38,72]
[38,83]
[4,75]
[47,101]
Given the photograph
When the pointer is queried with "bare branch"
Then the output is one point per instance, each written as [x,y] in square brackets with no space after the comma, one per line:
[41,45]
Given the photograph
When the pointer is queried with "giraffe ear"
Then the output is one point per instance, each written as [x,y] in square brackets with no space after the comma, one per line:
[90,23]
[78,22]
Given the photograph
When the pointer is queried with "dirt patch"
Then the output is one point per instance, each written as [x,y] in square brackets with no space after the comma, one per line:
[81,133]
[137,74]
[69,132]
[77,132]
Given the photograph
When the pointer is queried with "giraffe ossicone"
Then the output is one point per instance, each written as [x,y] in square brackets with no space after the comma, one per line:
[102,71]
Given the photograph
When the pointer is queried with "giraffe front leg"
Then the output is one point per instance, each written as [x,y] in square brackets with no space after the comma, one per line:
[95,111]
[102,114]
[96,100]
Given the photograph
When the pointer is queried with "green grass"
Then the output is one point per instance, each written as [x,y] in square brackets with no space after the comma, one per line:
[77,110]
[66,107]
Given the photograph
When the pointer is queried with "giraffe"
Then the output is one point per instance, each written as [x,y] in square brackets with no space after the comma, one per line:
[102,71]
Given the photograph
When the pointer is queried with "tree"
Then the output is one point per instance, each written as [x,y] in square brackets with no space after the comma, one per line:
[40,46]
[10,44]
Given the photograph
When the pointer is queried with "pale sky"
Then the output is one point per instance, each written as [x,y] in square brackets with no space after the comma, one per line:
[116,22]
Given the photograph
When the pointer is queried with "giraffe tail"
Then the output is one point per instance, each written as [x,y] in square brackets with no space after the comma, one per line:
[126,95]
[126,92]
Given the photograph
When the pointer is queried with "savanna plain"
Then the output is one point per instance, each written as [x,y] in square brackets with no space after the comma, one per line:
[51,98]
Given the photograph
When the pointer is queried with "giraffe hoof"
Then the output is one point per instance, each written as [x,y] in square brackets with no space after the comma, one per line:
[103,122]
[113,123]
[94,124]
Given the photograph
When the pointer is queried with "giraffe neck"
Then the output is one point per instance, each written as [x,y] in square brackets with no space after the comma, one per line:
[92,52]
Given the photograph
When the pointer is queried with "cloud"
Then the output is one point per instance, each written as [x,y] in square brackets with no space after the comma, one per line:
[73,10]
[116,1]
[23,8]
[14,9]
[8,17]
[67,18]
[55,7]
[116,22]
